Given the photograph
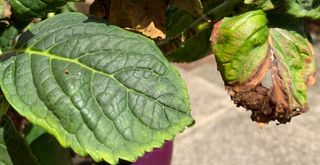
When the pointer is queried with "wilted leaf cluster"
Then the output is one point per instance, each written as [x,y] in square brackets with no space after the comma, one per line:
[246,47]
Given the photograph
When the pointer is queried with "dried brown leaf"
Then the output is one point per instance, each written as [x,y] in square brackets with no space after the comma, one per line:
[145,16]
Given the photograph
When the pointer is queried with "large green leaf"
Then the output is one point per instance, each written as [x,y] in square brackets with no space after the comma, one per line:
[102,90]
[13,148]
[28,9]
[304,8]
[240,45]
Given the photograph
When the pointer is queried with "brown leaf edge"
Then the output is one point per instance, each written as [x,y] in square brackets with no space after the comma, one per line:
[267,104]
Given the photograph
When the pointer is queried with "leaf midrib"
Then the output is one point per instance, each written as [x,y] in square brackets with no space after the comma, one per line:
[75,61]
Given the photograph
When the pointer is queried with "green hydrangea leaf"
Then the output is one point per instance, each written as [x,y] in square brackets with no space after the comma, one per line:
[3,106]
[28,9]
[193,6]
[193,49]
[33,132]
[13,148]
[186,40]
[295,71]
[5,158]
[7,36]
[240,45]
[304,8]
[69,7]
[49,152]
[262,4]
[97,88]
[177,20]
[185,46]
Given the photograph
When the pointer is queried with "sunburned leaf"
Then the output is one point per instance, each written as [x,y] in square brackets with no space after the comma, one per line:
[243,63]
[240,45]
[97,88]
[304,8]
[13,148]
[293,71]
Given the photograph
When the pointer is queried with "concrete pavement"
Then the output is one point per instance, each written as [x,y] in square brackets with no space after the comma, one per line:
[225,135]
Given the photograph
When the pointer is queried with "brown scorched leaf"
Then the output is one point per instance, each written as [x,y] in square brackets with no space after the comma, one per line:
[293,71]
[145,16]
[246,51]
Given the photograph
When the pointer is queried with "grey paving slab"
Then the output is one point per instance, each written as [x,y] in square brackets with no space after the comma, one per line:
[207,99]
[225,135]
[209,72]
[205,68]
[232,139]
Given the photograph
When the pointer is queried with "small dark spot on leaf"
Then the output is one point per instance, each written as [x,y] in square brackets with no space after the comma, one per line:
[66,71]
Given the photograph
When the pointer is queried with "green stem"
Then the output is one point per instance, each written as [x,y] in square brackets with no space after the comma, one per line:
[222,10]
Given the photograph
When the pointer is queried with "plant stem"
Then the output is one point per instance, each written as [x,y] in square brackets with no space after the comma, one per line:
[222,10]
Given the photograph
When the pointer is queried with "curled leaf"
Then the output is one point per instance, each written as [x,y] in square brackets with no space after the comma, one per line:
[243,63]
[293,71]
[240,45]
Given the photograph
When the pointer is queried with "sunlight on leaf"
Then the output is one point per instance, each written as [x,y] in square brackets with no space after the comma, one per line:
[97,88]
